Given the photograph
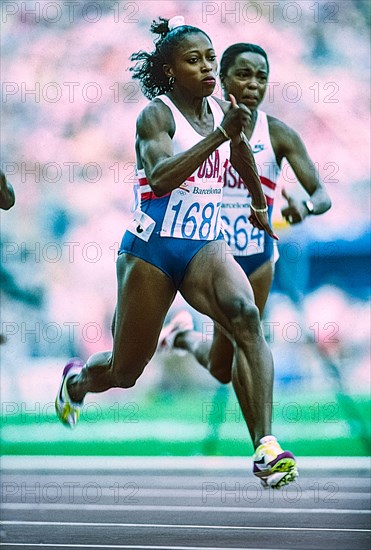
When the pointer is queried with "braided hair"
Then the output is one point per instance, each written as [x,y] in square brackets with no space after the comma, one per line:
[230,54]
[149,67]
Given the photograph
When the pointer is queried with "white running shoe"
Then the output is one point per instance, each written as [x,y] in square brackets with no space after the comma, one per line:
[67,410]
[274,466]
[181,322]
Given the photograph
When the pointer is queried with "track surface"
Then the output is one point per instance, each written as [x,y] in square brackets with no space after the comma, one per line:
[139,506]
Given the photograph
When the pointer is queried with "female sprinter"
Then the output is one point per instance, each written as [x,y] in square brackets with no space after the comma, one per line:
[175,243]
[244,72]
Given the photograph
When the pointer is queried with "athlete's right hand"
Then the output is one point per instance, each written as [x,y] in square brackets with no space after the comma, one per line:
[236,119]
[260,220]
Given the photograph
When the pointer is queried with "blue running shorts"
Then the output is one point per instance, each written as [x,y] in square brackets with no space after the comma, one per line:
[251,263]
[171,255]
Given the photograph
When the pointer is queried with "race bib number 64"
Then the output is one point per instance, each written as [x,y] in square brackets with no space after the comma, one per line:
[243,238]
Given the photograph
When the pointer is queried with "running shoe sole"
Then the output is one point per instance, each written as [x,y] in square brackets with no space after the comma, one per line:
[67,410]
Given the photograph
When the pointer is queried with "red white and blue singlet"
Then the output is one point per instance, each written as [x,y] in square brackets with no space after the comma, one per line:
[251,247]
[168,231]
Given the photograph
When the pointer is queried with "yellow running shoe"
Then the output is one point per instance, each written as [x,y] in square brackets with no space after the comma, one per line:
[274,466]
[67,410]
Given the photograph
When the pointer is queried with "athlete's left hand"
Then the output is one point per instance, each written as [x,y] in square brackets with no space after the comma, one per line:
[295,211]
[261,221]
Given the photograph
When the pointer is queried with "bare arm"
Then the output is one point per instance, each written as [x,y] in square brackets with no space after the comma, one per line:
[164,170]
[7,196]
[287,143]
[242,160]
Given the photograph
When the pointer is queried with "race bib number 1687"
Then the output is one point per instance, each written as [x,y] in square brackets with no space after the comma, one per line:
[191,220]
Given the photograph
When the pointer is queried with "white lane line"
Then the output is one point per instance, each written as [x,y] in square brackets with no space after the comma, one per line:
[158,508]
[122,546]
[249,493]
[107,463]
[184,482]
[213,490]
[177,526]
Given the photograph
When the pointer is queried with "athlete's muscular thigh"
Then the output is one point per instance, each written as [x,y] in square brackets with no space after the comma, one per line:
[261,282]
[144,296]
[216,285]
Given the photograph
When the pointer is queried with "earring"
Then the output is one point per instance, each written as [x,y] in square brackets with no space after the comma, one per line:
[171,82]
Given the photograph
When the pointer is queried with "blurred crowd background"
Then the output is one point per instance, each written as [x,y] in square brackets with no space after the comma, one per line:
[69,107]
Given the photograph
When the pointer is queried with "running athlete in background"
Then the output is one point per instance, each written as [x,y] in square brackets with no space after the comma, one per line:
[244,71]
[175,243]
[7,196]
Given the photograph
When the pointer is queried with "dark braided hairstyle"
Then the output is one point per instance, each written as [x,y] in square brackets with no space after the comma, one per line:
[149,67]
[230,54]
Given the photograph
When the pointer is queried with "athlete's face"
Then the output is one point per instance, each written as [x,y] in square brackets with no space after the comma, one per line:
[194,66]
[247,79]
